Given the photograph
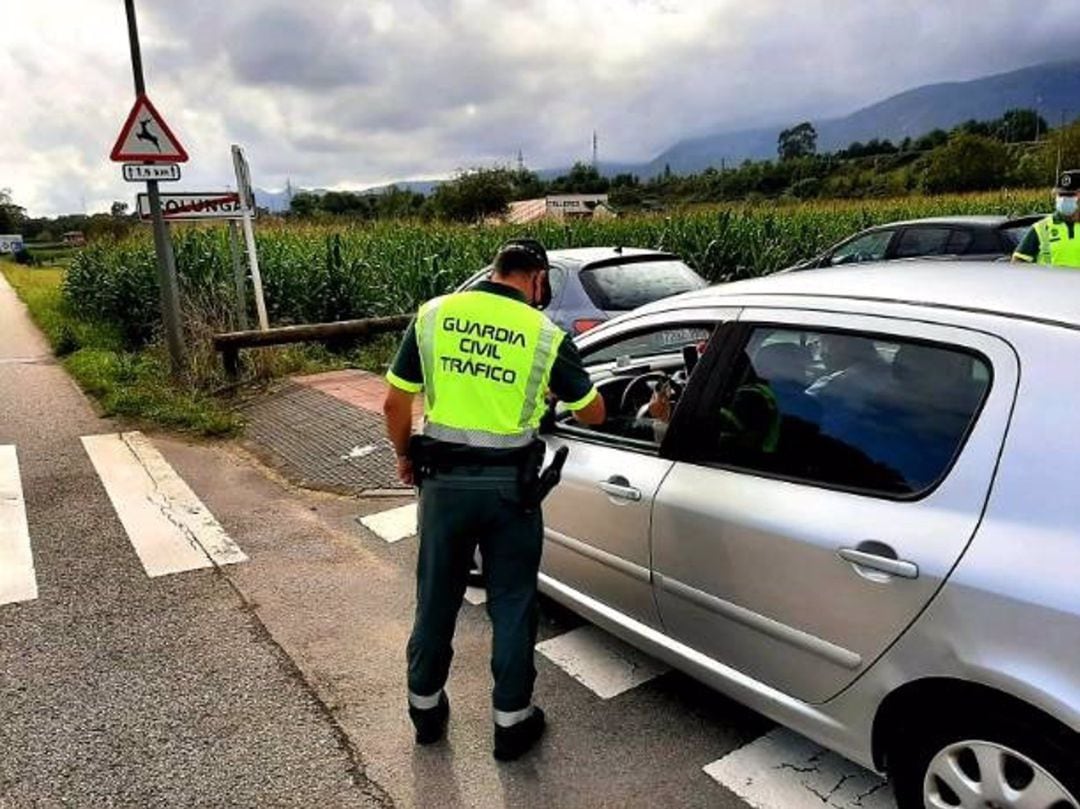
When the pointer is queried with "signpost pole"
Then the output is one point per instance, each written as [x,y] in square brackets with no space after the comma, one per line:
[238,274]
[247,204]
[170,292]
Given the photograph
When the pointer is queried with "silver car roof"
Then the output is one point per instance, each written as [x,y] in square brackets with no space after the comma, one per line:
[590,255]
[1012,290]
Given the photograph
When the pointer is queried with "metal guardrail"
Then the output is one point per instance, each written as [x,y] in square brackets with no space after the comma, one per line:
[230,343]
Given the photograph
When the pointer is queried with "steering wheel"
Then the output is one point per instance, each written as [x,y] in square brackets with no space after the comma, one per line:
[648,379]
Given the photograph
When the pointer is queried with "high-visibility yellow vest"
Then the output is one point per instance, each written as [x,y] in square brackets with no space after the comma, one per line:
[486,361]
[1055,245]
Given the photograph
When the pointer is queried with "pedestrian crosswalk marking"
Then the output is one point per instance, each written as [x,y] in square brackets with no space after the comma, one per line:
[599,661]
[393,525]
[169,527]
[783,770]
[18,581]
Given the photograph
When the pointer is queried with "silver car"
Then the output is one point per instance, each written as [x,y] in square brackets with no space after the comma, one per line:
[849,499]
[589,285]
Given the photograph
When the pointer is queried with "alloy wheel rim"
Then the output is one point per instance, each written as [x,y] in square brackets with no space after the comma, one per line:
[987,775]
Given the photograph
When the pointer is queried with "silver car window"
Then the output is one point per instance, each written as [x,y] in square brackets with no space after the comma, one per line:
[641,377]
[645,344]
[847,410]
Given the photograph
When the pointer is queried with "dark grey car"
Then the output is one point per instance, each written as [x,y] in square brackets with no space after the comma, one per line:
[968,238]
[592,284]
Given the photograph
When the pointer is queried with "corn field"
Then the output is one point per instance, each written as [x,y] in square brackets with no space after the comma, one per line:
[326,272]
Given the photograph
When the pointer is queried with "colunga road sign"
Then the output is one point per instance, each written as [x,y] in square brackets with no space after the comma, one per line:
[141,172]
[194,205]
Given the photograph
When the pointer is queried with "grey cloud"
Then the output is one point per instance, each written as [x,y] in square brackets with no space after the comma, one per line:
[283,46]
[326,91]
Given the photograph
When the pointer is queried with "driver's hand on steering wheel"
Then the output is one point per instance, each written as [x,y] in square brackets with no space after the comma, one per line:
[660,404]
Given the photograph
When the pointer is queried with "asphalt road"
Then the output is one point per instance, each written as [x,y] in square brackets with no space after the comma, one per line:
[339,601]
[121,690]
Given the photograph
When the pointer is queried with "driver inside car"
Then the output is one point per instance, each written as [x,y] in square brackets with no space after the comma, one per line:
[656,414]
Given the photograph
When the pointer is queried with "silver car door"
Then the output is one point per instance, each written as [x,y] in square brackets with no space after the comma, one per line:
[597,519]
[797,558]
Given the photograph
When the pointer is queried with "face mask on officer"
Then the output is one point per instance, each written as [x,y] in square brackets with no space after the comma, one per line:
[1066,205]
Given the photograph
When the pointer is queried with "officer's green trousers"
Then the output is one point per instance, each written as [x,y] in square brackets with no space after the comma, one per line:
[458,510]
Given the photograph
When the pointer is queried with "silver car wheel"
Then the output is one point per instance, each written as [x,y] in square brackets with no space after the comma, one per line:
[985,775]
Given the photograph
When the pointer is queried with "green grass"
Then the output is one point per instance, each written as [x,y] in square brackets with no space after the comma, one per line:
[135,385]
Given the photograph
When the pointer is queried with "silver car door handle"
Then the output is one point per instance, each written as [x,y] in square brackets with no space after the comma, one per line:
[620,487]
[894,567]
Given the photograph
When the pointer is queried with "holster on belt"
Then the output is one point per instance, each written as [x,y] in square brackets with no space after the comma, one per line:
[430,456]
[422,453]
[537,484]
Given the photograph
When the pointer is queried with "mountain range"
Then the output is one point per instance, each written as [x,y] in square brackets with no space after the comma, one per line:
[1051,88]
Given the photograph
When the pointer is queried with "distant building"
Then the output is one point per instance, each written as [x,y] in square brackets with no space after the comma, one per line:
[560,206]
[73,238]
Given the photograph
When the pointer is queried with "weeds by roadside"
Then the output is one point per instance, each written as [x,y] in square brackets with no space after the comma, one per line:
[125,383]
[136,384]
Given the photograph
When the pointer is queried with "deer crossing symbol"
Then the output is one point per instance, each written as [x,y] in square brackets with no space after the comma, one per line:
[146,134]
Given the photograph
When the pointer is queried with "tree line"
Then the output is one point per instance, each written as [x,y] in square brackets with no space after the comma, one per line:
[1016,150]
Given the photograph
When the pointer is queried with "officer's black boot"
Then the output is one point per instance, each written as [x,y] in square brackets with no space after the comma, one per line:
[516,740]
[430,724]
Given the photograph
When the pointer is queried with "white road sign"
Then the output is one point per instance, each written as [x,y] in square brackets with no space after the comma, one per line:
[243,177]
[146,137]
[141,172]
[10,243]
[194,205]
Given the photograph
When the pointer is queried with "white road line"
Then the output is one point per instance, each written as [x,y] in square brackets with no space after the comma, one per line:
[169,527]
[17,579]
[600,661]
[476,595]
[783,770]
[393,525]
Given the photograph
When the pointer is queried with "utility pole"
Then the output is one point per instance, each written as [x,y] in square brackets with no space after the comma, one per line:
[595,165]
[170,291]
[1060,140]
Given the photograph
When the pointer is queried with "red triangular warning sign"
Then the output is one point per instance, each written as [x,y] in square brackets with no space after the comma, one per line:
[146,137]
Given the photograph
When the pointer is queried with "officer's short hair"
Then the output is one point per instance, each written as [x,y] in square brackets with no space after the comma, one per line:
[1069,181]
[520,255]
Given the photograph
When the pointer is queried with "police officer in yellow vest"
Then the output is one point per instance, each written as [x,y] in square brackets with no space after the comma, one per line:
[1055,240]
[485,360]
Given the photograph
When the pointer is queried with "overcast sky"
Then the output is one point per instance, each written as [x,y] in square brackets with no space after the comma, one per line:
[352,93]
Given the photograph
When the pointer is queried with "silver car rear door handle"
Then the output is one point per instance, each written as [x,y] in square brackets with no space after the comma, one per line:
[894,567]
[618,486]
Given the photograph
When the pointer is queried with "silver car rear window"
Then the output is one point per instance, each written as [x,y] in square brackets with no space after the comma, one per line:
[621,287]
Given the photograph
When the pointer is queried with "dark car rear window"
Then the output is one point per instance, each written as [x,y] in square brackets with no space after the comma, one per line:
[621,287]
[1015,234]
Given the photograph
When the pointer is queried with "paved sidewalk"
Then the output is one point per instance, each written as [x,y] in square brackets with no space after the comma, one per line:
[325,431]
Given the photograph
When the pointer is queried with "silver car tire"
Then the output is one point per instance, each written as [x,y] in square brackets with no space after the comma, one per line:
[1005,765]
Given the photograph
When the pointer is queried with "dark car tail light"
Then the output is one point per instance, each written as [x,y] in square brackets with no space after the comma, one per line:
[583,325]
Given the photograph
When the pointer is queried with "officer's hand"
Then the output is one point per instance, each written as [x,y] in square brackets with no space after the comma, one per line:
[405,470]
